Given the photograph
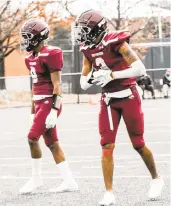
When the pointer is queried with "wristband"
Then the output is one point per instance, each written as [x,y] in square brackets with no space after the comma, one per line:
[57,100]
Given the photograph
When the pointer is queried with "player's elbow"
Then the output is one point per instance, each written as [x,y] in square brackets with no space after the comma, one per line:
[139,67]
[142,71]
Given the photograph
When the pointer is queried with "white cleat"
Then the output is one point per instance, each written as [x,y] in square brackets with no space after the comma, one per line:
[31,185]
[66,186]
[156,187]
[108,199]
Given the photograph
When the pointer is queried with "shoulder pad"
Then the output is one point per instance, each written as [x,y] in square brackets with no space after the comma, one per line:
[53,48]
[29,55]
[116,37]
[50,50]
[83,47]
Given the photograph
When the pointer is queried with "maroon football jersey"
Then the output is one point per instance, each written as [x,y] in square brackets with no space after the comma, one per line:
[49,59]
[106,53]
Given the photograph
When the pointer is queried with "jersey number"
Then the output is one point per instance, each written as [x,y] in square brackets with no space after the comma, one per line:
[33,74]
[100,63]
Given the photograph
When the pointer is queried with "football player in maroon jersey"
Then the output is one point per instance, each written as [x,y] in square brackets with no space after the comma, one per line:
[110,62]
[45,64]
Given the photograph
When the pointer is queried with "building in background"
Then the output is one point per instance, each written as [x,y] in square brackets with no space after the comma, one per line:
[132,20]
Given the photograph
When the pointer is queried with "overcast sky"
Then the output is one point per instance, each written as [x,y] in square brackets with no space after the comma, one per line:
[109,9]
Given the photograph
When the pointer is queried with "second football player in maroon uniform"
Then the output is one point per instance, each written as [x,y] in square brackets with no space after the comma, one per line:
[45,64]
[110,62]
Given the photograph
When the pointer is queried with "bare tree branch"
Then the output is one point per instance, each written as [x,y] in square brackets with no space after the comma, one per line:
[66,7]
[131,6]
[164,4]
[9,52]
[4,7]
[118,20]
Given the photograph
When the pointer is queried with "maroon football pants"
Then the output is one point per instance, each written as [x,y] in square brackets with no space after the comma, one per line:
[130,109]
[42,109]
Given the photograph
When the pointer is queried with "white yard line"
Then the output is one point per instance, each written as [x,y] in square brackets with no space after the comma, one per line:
[158,161]
[99,167]
[84,177]
[83,160]
[87,158]
[57,172]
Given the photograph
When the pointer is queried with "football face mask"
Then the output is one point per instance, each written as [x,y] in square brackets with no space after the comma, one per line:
[84,34]
[81,34]
[27,41]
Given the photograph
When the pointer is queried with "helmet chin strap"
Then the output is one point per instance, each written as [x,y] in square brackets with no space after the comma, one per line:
[38,48]
[32,47]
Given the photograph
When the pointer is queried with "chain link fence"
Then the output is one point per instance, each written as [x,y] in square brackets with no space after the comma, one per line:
[17,88]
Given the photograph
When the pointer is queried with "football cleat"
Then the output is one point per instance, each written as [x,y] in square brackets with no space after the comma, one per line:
[66,186]
[31,185]
[156,187]
[108,199]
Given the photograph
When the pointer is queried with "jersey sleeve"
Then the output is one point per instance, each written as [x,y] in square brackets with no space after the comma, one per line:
[120,38]
[55,60]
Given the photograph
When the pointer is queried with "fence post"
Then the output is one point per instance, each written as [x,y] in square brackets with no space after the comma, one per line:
[2,73]
[76,79]
[152,63]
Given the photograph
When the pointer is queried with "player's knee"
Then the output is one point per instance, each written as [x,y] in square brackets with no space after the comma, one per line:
[138,143]
[33,136]
[50,143]
[32,142]
[107,138]
[108,146]
[139,149]
[107,150]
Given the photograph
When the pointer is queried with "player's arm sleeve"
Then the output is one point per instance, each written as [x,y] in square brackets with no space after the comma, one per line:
[136,68]
[86,74]
[55,61]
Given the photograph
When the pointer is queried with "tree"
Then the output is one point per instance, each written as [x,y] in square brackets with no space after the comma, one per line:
[12,19]
[8,24]
[164,4]
[128,15]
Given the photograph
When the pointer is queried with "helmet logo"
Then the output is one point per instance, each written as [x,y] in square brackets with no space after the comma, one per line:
[44,31]
[101,22]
